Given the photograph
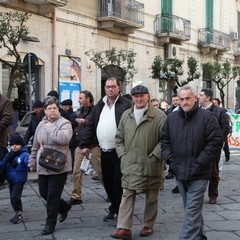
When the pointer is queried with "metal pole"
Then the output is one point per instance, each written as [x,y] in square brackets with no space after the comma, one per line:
[30,81]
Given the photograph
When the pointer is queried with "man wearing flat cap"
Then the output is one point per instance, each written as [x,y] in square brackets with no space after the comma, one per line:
[139,148]
[35,120]
[67,107]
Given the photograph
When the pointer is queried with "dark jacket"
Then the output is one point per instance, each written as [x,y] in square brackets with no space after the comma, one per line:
[73,115]
[32,127]
[222,119]
[121,105]
[6,119]
[191,141]
[17,165]
[79,132]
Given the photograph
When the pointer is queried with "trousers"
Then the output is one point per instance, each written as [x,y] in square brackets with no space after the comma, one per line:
[15,196]
[111,173]
[192,193]
[125,214]
[214,181]
[50,189]
[77,173]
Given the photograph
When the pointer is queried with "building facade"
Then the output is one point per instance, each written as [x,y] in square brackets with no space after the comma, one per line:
[66,29]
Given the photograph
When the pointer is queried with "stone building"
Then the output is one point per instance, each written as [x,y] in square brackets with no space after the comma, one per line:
[61,31]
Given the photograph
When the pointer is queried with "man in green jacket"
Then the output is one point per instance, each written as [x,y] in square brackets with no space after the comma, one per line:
[138,146]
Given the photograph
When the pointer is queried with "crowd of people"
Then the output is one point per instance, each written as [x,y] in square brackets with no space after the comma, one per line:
[129,140]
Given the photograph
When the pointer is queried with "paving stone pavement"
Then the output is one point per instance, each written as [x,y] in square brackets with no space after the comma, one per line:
[85,221]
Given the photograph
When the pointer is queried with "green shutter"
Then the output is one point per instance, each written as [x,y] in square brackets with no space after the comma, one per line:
[166,11]
[209,19]
[209,13]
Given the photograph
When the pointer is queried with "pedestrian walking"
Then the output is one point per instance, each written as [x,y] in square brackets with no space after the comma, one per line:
[138,146]
[54,132]
[16,165]
[191,139]
[103,123]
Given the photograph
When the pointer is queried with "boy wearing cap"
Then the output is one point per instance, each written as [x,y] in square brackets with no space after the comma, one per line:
[16,165]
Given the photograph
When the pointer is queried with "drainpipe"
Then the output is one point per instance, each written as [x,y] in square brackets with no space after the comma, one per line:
[54,57]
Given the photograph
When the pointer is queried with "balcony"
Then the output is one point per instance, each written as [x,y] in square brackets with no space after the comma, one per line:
[127,15]
[213,41]
[46,7]
[57,3]
[172,29]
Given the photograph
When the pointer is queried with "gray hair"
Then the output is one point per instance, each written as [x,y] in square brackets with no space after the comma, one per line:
[50,100]
[187,88]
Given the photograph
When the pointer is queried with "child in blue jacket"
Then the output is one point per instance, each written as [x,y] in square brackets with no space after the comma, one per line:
[16,163]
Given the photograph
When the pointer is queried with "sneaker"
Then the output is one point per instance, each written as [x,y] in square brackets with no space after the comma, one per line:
[18,217]
[110,217]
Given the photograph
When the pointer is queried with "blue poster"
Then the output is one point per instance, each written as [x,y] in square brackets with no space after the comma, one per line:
[69,90]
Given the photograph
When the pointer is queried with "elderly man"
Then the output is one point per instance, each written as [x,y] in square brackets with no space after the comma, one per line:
[191,139]
[138,146]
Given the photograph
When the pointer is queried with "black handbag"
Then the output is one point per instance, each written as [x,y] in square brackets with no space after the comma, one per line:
[52,159]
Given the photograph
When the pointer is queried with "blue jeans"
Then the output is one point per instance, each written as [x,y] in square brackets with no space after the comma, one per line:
[193,195]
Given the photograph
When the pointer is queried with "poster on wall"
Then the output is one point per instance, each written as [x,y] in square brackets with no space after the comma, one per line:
[69,79]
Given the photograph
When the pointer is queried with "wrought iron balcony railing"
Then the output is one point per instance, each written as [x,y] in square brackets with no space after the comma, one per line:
[130,10]
[168,24]
[213,38]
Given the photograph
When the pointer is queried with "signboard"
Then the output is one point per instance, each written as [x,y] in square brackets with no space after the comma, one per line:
[69,79]
[234,139]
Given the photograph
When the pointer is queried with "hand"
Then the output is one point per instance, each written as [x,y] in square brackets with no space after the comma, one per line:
[85,152]
[32,169]
[80,121]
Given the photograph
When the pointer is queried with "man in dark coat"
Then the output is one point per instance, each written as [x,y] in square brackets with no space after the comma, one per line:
[103,123]
[191,139]
[35,120]
[6,119]
[205,100]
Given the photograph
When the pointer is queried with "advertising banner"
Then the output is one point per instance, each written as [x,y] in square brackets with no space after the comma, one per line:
[69,79]
[234,139]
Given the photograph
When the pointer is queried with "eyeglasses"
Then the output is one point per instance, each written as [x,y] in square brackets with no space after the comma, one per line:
[52,109]
[108,87]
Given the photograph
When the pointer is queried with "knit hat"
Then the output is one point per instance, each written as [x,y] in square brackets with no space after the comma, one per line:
[67,102]
[53,93]
[16,139]
[38,104]
[139,89]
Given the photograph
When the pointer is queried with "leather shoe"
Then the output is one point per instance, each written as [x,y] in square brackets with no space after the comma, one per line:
[213,200]
[122,233]
[47,230]
[170,176]
[73,201]
[175,190]
[64,214]
[146,231]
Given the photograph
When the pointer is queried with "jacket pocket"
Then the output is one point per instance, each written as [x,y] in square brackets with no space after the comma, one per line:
[153,167]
